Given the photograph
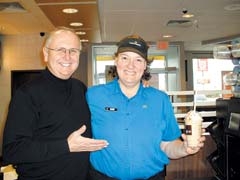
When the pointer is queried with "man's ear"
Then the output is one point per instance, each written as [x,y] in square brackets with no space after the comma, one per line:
[45,54]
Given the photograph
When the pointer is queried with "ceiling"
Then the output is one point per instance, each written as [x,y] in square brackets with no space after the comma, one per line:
[215,21]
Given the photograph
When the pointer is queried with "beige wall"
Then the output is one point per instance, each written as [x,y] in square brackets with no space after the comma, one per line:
[19,52]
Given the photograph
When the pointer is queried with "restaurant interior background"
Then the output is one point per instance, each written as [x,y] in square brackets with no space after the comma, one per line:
[190,52]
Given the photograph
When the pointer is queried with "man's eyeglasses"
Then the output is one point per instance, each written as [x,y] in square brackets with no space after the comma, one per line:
[62,51]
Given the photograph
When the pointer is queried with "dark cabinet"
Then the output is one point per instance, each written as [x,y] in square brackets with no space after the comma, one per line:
[225,131]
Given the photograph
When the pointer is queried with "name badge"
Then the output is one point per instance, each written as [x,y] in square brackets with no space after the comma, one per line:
[110,109]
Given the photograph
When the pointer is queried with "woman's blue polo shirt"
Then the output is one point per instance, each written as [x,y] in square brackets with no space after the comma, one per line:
[133,127]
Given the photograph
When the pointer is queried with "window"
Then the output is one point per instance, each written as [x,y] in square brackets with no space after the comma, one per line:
[208,75]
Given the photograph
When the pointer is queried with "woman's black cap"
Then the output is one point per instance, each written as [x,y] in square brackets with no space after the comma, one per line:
[133,43]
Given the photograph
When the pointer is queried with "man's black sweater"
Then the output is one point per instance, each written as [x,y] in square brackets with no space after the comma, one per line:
[41,116]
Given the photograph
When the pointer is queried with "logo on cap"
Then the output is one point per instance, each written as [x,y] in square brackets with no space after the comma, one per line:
[135,43]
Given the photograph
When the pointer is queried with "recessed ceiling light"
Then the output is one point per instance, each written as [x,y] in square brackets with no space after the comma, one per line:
[167,36]
[187,15]
[2,28]
[76,24]
[70,10]
[80,32]
[84,40]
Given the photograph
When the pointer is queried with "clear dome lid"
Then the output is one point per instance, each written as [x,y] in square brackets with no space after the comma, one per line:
[230,79]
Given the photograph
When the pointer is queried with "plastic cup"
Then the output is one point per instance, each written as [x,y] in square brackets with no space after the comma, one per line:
[193,126]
